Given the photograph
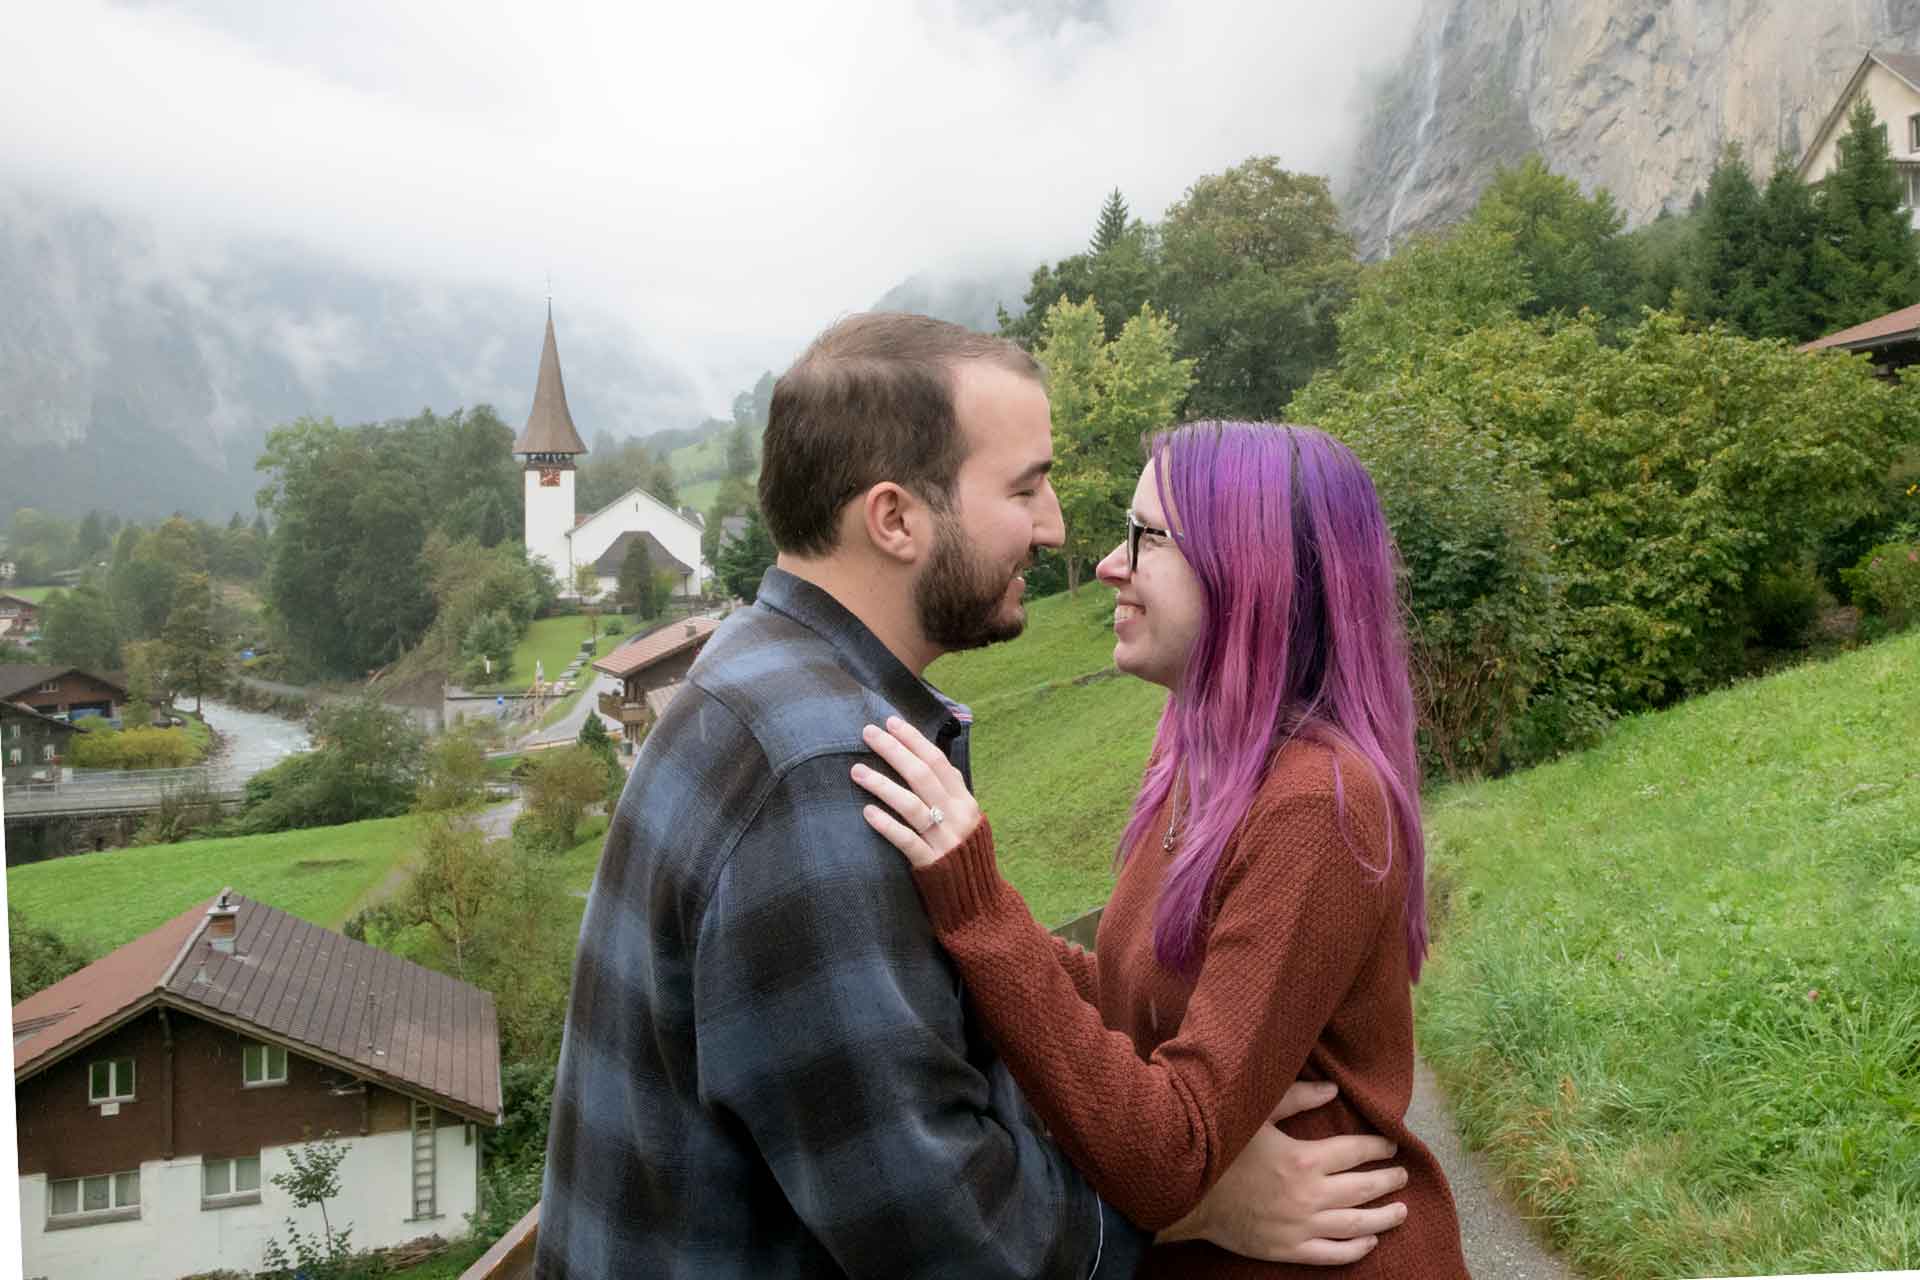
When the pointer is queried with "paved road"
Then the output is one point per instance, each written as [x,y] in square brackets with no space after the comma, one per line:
[568,728]
[1500,1244]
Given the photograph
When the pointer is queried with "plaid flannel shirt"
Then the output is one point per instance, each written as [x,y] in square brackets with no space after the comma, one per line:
[769,1069]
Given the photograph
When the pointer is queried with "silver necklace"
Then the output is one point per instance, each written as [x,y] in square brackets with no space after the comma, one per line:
[1173,817]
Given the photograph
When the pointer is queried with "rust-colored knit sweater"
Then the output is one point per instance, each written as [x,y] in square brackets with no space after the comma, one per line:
[1153,1084]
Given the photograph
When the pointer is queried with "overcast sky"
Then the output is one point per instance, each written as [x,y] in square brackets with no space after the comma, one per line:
[725,176]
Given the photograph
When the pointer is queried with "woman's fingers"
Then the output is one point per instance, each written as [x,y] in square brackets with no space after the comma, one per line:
[896,797]
[899,835]
[911,768]
[930,755]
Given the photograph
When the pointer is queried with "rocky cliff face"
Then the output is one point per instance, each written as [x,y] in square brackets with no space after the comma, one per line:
[1637,96]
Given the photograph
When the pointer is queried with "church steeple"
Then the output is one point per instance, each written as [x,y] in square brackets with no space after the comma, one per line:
[549,432]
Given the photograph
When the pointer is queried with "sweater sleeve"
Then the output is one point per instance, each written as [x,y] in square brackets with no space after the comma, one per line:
[1082,966]
[1297,914]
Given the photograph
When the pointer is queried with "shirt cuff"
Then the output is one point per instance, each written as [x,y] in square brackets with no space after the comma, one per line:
[961,884]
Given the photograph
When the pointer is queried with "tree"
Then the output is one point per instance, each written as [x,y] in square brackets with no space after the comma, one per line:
[195,653]
[79,629]
[488,648]
[1790,306]
[594,738]
[586,585]
[1866,262]
[312,1179]
[740,459]
[1569,243]
[1726,281]
[635,582]
[455,878]
[453,775]
[745,560]
[1256,264]
[38,957]
[365,765]
[1105,397]
[1121,271]
[1112,227]
[560,786]
[146,679]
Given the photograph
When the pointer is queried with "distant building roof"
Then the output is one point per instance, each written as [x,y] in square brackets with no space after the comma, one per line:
[662,560]
[1906,66]
[549,426]
[1882,331]
[26,712]
[4,596]
[20,677]
[323,995]
[673,638]
[658,700]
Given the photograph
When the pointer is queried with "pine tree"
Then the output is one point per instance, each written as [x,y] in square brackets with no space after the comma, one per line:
[1789,307]
[1866,262]
[1725,284]
[1112,227]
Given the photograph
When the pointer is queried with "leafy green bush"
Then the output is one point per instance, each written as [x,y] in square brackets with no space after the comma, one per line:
[1784,605]
[366,766]
[103,748]
[38,957]
[1886,583]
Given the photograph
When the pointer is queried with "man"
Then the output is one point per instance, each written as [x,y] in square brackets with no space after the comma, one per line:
[769,1069]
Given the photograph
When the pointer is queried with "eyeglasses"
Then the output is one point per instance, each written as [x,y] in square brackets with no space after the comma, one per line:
[1134,530]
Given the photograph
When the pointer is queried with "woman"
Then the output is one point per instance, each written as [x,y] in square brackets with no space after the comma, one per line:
[1269,914]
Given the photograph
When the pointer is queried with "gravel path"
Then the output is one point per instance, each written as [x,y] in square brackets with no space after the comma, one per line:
[1500,1244]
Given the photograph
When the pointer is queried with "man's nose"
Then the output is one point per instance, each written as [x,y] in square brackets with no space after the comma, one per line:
[1049,527]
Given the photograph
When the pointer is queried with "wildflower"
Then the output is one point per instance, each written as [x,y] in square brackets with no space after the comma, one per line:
[1813,994]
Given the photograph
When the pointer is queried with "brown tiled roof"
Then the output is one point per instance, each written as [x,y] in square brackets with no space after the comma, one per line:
[22,709]
[19,677]
[658,700]
[549,426]
[661,644]
[322,995]
[1896,326]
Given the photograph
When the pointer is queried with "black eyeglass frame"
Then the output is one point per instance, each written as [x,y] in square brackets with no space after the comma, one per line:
[1134,530]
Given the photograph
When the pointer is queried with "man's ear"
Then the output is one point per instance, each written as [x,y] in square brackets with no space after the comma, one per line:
[897,524]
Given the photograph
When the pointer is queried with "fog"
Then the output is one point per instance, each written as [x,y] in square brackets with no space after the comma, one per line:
[720,179]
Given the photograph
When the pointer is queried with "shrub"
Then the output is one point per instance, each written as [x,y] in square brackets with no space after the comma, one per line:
[1784,605]
[365,767]
[38,957]
[1886,583]
[103,748]
[561,785]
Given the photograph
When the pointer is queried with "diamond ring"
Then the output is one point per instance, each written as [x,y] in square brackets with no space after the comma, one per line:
[934,817]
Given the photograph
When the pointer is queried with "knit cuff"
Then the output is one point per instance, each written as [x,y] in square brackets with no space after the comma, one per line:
[962,883]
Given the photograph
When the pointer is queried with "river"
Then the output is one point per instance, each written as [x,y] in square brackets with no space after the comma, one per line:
[254,741]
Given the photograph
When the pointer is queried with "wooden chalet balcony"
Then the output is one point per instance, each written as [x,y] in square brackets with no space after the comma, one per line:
[511,1257]
[615,708]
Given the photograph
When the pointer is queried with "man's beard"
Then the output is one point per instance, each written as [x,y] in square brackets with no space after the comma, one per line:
[958,595]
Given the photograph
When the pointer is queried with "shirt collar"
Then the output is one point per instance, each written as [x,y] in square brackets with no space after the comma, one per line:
[861,653]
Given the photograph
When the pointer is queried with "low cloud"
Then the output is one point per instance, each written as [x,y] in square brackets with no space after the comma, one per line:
[720,179]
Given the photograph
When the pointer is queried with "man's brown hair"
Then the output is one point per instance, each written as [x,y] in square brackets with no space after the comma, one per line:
[870,399]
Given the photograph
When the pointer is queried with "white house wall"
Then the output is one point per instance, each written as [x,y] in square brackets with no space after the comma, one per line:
[639,511]
[1893,101]
[174,1236]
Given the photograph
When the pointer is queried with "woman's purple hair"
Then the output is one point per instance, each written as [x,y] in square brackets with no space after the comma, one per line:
[1302,638]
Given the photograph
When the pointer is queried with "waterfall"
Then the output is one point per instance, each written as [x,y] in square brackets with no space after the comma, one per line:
[1436,37]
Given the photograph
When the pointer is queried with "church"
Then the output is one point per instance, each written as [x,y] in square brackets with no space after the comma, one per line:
[565,540]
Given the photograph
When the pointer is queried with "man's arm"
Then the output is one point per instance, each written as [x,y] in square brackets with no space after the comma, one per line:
[830,1025]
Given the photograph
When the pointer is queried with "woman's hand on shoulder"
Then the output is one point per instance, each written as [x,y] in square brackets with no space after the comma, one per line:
[934,813]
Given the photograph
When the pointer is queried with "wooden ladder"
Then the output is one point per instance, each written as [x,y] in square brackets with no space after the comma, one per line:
[425,1204]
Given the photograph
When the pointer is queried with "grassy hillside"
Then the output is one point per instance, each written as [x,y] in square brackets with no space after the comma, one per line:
[1058,747]
[552,643]
[1676,986]
[100,900]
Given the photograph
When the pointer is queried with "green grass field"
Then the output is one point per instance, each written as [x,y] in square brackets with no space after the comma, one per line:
[1675,992]
[37,595]
[1058,746]
[553,642]
[100,900]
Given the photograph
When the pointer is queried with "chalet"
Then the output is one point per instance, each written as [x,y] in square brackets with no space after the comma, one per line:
[18,616]
[60,691]
[655,661]
[159,1089]
[1891,81]
[1891,341]
[33,745]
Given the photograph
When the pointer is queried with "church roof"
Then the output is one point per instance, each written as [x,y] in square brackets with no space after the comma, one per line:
[549,427]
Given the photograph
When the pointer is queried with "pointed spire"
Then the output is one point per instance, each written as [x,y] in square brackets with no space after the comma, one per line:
[549,426]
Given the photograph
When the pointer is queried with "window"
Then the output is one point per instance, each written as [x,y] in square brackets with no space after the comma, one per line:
[224,1182]
[1912,177]
[117,1194]
[263,1064]
[110,1081]
[47,753]
[1913,133]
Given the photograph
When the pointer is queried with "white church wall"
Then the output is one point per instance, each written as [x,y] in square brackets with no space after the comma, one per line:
[638,511]
[549,517]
